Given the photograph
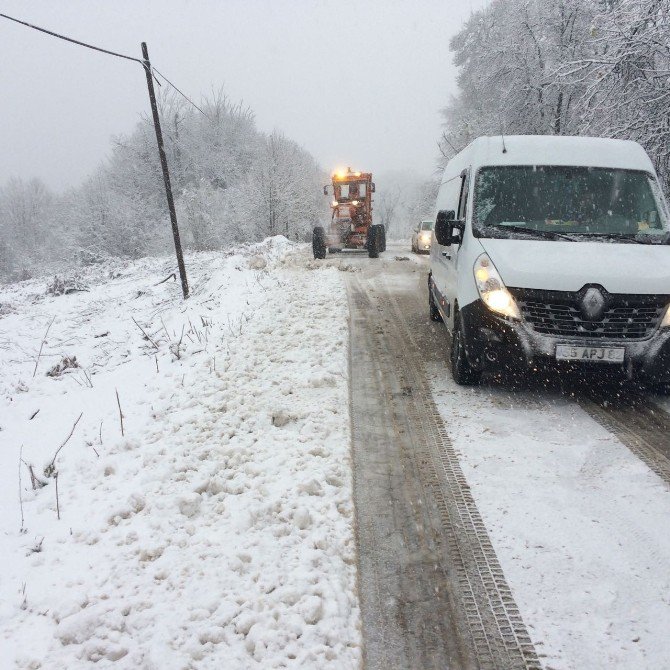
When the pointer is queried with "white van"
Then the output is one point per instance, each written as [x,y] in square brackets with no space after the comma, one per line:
[552,249]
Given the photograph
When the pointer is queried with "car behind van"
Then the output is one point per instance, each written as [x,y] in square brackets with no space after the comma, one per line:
[552,250]
[422,236]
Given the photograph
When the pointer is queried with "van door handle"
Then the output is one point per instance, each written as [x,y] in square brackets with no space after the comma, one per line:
[447,255]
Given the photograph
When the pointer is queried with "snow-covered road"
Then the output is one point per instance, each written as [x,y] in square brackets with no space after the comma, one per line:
[217,531]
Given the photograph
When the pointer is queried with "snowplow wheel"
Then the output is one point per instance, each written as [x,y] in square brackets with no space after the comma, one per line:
[319,242]
[382,235]
[373,242]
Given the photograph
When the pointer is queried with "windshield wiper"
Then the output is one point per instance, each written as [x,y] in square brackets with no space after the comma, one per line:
[628,237]
[550,234]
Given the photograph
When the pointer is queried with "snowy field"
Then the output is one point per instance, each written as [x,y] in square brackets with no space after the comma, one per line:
[578,522]
[217,530]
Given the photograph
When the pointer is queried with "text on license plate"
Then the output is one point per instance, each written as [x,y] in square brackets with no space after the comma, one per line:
[566,352]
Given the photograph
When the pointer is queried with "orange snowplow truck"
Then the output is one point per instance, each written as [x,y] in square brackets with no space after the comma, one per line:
[351,218]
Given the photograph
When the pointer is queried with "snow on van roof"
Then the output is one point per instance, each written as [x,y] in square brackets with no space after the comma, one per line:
[558,150]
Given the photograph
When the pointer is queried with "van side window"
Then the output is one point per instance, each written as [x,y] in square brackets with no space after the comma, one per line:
[450,193]
[463,198]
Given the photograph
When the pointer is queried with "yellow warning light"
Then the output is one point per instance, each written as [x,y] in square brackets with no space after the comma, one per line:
[357,174]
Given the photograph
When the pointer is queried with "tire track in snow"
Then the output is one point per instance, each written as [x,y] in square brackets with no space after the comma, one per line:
[494,631]
[499,633]
[406,604]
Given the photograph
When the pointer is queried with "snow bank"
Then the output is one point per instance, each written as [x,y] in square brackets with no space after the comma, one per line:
[217,530]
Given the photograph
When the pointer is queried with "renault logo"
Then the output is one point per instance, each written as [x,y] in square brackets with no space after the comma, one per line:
[592,304]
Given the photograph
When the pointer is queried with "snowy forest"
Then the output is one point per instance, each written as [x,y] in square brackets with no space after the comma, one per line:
[564,67]
[232,184]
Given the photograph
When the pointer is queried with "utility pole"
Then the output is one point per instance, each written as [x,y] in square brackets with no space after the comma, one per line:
[166,173]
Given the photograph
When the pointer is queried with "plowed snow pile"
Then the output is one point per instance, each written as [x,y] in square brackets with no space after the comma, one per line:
[216,532]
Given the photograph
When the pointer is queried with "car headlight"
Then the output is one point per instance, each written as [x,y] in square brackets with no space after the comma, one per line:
[493,291]
[666,319]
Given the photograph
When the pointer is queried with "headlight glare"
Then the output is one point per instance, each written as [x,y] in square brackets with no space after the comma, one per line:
[493,291]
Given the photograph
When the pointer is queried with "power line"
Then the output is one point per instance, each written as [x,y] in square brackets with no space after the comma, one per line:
[70,39]
[180,92]
[106,51]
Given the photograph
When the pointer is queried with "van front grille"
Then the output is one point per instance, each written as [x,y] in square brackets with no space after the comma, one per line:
[558,313]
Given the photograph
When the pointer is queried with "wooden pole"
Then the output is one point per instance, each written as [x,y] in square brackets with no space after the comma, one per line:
[166,173]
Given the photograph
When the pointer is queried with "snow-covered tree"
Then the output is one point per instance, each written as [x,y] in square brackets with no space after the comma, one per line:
[510,56]
[283,189]
[626,77]
[29,234]
[577,67]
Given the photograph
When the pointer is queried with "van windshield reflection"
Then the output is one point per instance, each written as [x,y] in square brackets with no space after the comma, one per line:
[575,203]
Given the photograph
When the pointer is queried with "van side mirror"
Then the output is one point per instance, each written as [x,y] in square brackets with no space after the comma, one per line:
[372,187]
[325,190]
[445,224]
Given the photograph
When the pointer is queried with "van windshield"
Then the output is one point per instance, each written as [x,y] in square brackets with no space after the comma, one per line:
[569,203]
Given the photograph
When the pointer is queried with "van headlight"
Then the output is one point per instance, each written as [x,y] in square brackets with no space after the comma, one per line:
[666,318]
[493,291]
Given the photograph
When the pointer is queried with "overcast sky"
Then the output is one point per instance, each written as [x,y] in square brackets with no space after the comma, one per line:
[355,83]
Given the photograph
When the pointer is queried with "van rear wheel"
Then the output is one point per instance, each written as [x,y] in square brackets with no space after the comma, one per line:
[461,370]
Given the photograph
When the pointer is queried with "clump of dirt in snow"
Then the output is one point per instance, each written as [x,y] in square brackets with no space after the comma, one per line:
[331,263]
[64,286]
[321,264]
[66,363]
[21,387]
[257,263]
[87,257]
[347,267]
[282,418]
[7,308]
[189,504]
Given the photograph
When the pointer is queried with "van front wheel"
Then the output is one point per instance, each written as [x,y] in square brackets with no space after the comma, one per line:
[461,370]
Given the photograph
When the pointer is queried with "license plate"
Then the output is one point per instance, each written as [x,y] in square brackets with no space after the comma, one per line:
[566,352]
